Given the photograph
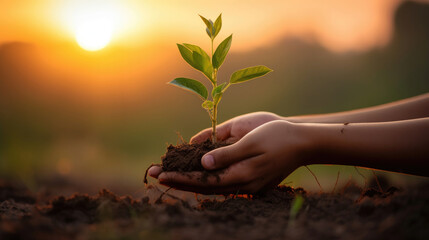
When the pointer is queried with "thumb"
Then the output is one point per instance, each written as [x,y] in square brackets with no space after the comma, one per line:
[228,155]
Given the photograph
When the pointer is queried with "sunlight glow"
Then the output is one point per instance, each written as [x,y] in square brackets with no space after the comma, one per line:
[94,35]
[94,23]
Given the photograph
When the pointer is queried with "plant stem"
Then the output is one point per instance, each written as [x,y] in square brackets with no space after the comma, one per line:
[214,123]
[212,51]
[214,113]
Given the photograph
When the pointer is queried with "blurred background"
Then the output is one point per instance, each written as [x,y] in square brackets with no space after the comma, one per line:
[96,114]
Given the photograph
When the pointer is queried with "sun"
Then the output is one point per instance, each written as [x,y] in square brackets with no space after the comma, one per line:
[94,34]
[94,23]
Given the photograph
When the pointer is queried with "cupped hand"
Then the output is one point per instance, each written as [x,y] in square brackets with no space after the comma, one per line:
[258,161]
[234,129]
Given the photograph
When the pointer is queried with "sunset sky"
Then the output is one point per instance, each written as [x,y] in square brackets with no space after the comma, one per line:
[338,25]
[83,82]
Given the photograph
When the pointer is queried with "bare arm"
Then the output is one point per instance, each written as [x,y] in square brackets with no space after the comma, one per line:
[267,148]
[234,129]
[415,107]
[269,153]
[399,146]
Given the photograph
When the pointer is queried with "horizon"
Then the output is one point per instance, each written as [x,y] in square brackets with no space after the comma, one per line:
[137,24]
[66,111]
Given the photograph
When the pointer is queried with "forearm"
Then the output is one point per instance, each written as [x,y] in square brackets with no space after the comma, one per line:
[415,107]
[400,146]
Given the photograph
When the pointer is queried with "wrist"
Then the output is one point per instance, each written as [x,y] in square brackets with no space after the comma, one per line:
[307,142]
[291,119]
[324,143]
[299,119]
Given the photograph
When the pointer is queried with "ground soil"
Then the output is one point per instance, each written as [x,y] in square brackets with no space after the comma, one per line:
[350,213]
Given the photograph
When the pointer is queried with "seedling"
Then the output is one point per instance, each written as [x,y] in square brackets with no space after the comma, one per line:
[209,66]
[296,206]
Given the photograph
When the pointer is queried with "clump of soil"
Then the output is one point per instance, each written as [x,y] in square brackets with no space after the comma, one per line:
[16,191]
[186,157]
[106,205]
[396,214]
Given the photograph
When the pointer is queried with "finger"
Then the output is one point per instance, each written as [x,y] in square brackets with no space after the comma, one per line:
[154,171]
[197,179]
[223,131]
[251,187]
[236,174]
[202,136]
[232,140]
[205,190]
[228,155]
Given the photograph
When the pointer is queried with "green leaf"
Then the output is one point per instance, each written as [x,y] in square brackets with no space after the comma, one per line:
[191,85]
[218,89]
[209,25]
[248,74]
[197,58]
[186,54]
[217,93]
[221,52]
[217,25]
[203,64]
[195,48]
[207,104]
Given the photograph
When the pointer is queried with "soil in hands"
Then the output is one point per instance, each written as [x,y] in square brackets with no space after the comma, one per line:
[186,157]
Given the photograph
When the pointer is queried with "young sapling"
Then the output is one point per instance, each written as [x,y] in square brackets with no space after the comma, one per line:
[209,65]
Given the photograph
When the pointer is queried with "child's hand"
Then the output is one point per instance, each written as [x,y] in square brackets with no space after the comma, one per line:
[260,160]
[234,129]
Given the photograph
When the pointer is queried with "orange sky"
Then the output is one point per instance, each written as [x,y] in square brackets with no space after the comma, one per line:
[125,83]
[337,24]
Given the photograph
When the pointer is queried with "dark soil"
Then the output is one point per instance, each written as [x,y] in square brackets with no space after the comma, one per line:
[187,157]
[352,213]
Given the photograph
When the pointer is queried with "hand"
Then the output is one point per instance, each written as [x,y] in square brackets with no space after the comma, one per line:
[259,161]
[234,129]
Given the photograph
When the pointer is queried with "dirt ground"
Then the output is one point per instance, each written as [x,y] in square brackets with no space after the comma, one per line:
[350,213]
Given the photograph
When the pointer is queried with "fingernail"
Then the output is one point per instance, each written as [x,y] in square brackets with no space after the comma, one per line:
[162,177]
[208,161]
[154,171]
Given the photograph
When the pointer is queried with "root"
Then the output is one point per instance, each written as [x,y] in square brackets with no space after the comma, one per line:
[317,180]
[159,200]
[147,169]
[349,182]
[363,176]
[180,137]
[378,183]
[336,182]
